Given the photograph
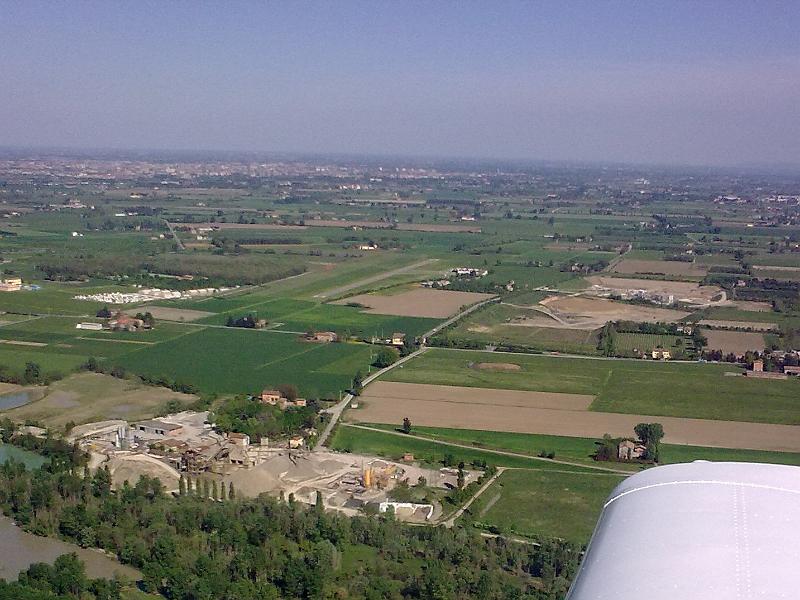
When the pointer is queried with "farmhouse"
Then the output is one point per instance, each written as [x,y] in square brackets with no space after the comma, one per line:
[661,354]
[123,322]
[398,338]
[13,284]
[323,336]
[630,450]
[759,372]
[271,397]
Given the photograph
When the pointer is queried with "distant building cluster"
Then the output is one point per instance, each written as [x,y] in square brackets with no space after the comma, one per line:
[148,294]
[12,284]
[469,272]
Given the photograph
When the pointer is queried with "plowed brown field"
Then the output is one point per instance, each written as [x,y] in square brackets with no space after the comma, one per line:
[551,414]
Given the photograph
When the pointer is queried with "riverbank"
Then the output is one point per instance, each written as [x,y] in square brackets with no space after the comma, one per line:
[19,549]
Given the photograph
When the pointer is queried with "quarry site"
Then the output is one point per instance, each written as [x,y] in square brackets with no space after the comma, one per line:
[186,445]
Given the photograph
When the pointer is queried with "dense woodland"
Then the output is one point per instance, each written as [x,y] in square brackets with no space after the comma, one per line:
[196,548]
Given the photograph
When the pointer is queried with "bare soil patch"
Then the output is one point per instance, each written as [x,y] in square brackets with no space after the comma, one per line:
[240,226]
[418,302]
[752,306]
[754,325]
[23,343]
[664,267]
[471,408]
[131,467]
[445,228]
[496,367]
[591,313]
[737,342]
[684,291]
[776,268]
[470,398]
[169,313]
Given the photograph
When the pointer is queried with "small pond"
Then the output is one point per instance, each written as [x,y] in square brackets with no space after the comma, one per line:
[19,398]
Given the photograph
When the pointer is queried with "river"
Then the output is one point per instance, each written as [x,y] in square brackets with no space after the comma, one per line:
[19,549]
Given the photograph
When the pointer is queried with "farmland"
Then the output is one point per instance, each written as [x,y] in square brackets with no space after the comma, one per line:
[701,391]
[737,342]
[660,267]
[346,248]
[554,414]
[637,344]
[419,302]
[580,450]
[225,361]
[555,504]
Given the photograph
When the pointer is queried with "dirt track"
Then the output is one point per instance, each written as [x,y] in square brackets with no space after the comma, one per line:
[550,414]
[418,302]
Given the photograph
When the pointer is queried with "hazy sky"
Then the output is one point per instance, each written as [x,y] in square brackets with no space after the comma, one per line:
[647,81]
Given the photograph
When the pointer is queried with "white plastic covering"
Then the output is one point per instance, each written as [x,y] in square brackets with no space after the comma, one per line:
[698,531]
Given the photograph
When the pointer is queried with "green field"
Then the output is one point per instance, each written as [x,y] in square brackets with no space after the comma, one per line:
[696,390]
[542,504]
[364,441]
[236,360]
[580,450]
[636,344]
[501,324]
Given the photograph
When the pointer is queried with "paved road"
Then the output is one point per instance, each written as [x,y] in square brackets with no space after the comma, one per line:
[460,315]
[374,278]
[336,411]
[175,235]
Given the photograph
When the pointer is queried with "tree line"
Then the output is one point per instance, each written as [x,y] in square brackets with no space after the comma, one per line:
[192,547]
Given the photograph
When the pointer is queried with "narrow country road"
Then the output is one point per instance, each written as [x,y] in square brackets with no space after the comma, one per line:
[336,410]
[454,517]
[175,235]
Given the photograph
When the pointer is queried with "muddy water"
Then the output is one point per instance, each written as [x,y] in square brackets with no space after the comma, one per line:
[19,549]
[31,459]
[16,399]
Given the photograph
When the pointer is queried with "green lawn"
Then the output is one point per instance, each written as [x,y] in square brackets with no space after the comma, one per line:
[698,390]
[542,503]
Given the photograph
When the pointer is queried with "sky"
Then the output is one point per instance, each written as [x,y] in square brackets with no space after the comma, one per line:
[668,82]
